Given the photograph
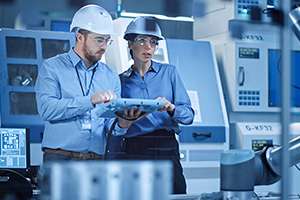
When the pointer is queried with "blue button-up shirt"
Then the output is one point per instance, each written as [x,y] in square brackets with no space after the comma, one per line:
[62,104]
[161,80]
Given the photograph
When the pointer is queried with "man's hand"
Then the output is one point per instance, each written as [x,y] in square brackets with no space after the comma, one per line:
[103,97]
[126,118]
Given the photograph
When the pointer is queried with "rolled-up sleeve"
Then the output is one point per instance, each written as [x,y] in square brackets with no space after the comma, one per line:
[184,113]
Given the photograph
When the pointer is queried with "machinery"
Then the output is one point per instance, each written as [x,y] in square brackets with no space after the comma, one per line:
[242,170]
[253,76]
[81,180]
[14,163]
[239,10]
[201,143]
[248,55]
[251,69]
[262,167]
[22,53]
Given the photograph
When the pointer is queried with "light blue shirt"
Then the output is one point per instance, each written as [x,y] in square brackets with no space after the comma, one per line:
[61,103]
[161,80]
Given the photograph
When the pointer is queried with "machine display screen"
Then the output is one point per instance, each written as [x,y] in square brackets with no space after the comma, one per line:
[274,68]
[248,53]
[14,149]
[260,144]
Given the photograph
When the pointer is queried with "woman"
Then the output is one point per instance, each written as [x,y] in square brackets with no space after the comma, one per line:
[153,136]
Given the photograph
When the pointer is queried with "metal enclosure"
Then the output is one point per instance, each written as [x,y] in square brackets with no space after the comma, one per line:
[202,142]
[21,54]
[115,180]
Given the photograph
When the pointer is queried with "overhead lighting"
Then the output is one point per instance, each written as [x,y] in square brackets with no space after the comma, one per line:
[163,17]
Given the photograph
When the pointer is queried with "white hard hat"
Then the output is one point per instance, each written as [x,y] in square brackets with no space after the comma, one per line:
[93,18]
[138,26]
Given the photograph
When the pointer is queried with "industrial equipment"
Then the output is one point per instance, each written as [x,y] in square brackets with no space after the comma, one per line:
[251,74]
[14,163]
[249,58]
[262,167]
[202,142]
[14,148]
[113,180]
[21,54]
[220,12]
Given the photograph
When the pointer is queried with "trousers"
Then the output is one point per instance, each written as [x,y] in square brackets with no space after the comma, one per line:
[157,145]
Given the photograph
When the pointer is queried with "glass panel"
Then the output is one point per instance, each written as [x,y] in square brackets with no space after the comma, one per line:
[52,47]
[22,74]
[22,103]
[159,55]
[275,71]
[18,47]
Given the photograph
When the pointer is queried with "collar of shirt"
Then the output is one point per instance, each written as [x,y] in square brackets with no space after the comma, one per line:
[154,67]
[76,60]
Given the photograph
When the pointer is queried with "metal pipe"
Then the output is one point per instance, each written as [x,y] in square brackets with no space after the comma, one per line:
[285,44]
[273,155]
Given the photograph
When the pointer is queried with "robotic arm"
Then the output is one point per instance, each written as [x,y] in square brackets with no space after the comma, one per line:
[273,155]
[241,170]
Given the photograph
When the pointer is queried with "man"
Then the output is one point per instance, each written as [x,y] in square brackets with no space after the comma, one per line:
[69,86]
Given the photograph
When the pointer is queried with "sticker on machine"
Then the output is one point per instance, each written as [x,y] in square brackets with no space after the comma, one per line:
[195,105]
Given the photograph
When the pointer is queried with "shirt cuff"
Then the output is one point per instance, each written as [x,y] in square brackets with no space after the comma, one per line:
[85,102]
[118,131]
[174,114]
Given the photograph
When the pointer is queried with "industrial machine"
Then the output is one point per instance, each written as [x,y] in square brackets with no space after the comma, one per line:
[241,170]
[263,168]
[252,72]
[14,149]
[113,180]
[239,10]
[14,163]
[248,55]
[21,54]
[201,143]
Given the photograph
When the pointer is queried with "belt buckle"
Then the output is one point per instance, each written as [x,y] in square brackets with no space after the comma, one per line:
[81,156]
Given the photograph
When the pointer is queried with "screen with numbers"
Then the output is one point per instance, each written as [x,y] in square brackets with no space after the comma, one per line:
[14,149]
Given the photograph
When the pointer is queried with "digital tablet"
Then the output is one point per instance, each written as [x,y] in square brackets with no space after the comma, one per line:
[117,106]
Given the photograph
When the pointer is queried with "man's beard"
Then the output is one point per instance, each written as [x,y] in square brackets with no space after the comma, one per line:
[90,57]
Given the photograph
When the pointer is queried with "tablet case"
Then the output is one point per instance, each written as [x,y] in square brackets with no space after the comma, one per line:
[109,110]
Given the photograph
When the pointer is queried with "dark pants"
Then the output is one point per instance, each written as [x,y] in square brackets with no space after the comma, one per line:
[157,145]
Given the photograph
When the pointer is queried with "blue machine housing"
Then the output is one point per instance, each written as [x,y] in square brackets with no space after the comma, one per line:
[196,64]
[21,54]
